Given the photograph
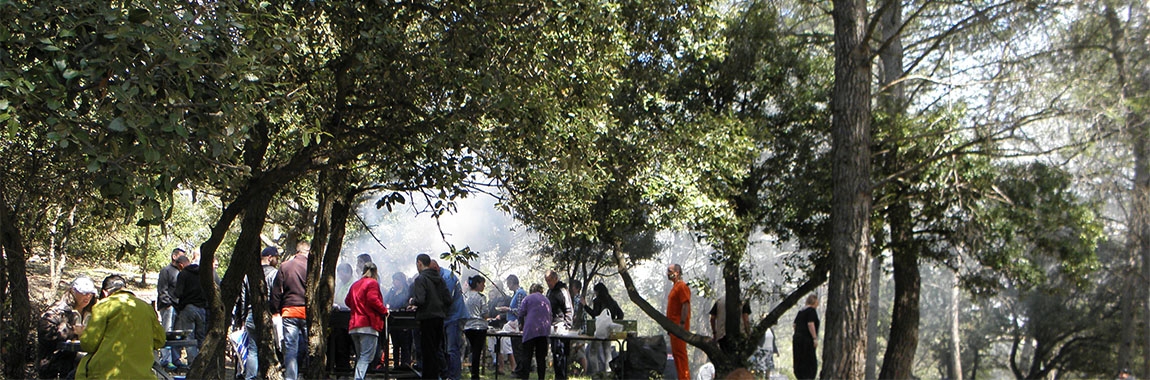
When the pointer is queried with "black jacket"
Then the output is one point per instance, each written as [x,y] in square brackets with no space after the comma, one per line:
[429,294]
[166,286]
[188,289]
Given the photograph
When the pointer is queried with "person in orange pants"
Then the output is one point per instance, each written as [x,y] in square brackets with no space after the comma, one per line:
[679,311]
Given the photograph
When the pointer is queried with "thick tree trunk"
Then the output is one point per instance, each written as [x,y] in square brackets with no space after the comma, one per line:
[210,364]
[898,362]
[335,208]
[15,344]
[844,348]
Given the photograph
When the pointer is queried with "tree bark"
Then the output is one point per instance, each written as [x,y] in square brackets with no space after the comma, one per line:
[15,343]
[334,210]
[844,348]
[210,364]
[872,330]
[898,362]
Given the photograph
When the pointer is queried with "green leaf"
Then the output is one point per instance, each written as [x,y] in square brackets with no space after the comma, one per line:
[139,15]
[117,125]
[69,74]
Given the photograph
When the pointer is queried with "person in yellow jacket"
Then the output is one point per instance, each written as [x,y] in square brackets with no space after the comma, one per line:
[121,337]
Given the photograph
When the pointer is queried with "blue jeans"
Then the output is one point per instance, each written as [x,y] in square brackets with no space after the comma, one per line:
[195,319]
[365,346]
[295,346]
[454,333]
[252,363]
[167,319]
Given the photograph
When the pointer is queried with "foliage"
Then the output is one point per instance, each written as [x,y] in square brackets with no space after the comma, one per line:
[1033,228]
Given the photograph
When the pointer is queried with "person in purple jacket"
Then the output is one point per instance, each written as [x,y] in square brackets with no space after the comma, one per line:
[535,316]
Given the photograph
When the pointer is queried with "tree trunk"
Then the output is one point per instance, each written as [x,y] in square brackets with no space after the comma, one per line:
[1127,309]
[334,210]
[955,340]
[872,330]
[210,363]
[844,348]
[15,343]
[898,362]
[1139,136]
[144,255]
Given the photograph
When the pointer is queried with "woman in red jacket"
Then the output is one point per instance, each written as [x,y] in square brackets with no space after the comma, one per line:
[367,314]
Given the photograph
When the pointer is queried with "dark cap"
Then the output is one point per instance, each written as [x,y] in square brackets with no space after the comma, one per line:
[270,251]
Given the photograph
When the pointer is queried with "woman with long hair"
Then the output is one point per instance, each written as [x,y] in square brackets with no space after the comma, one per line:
[367,314]
[600,349]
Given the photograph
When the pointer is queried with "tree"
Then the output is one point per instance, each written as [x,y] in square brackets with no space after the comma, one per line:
[1103,54]
[844,349]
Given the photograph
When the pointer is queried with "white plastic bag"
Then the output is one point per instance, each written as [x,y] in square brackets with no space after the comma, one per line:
[278,330]
[604,325]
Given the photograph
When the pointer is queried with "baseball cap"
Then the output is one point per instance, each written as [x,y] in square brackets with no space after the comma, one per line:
[83,284]
[270,251]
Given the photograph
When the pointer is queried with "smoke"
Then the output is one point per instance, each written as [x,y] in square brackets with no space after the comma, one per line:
[394,238]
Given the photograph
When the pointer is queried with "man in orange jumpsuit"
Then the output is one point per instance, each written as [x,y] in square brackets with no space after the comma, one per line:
[679,311]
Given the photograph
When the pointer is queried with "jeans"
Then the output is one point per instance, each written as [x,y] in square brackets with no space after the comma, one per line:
[534,348]
[365,346]
[454,332]
[193,318]
[167,319]
[252,362]
[295,346]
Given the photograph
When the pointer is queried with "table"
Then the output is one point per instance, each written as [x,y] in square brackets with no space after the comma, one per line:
[567,338]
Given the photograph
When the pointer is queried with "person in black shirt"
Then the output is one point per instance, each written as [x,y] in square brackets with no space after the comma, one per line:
[430,299]
[603,301]
[806,363]
[191,307]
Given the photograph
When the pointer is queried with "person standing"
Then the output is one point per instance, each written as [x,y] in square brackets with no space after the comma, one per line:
[679,312]
[397,298]
[718,319]
[805,340]
[475,327]
[62,322]
[429,298]
[269,261]
[191,307]
[122,336]
[367,314]
[289,301]
[562,315]
[517,296]
[600,349]
[453,322]
[166,299]
[535,315]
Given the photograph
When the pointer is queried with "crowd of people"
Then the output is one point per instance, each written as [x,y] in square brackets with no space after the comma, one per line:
[448,311]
